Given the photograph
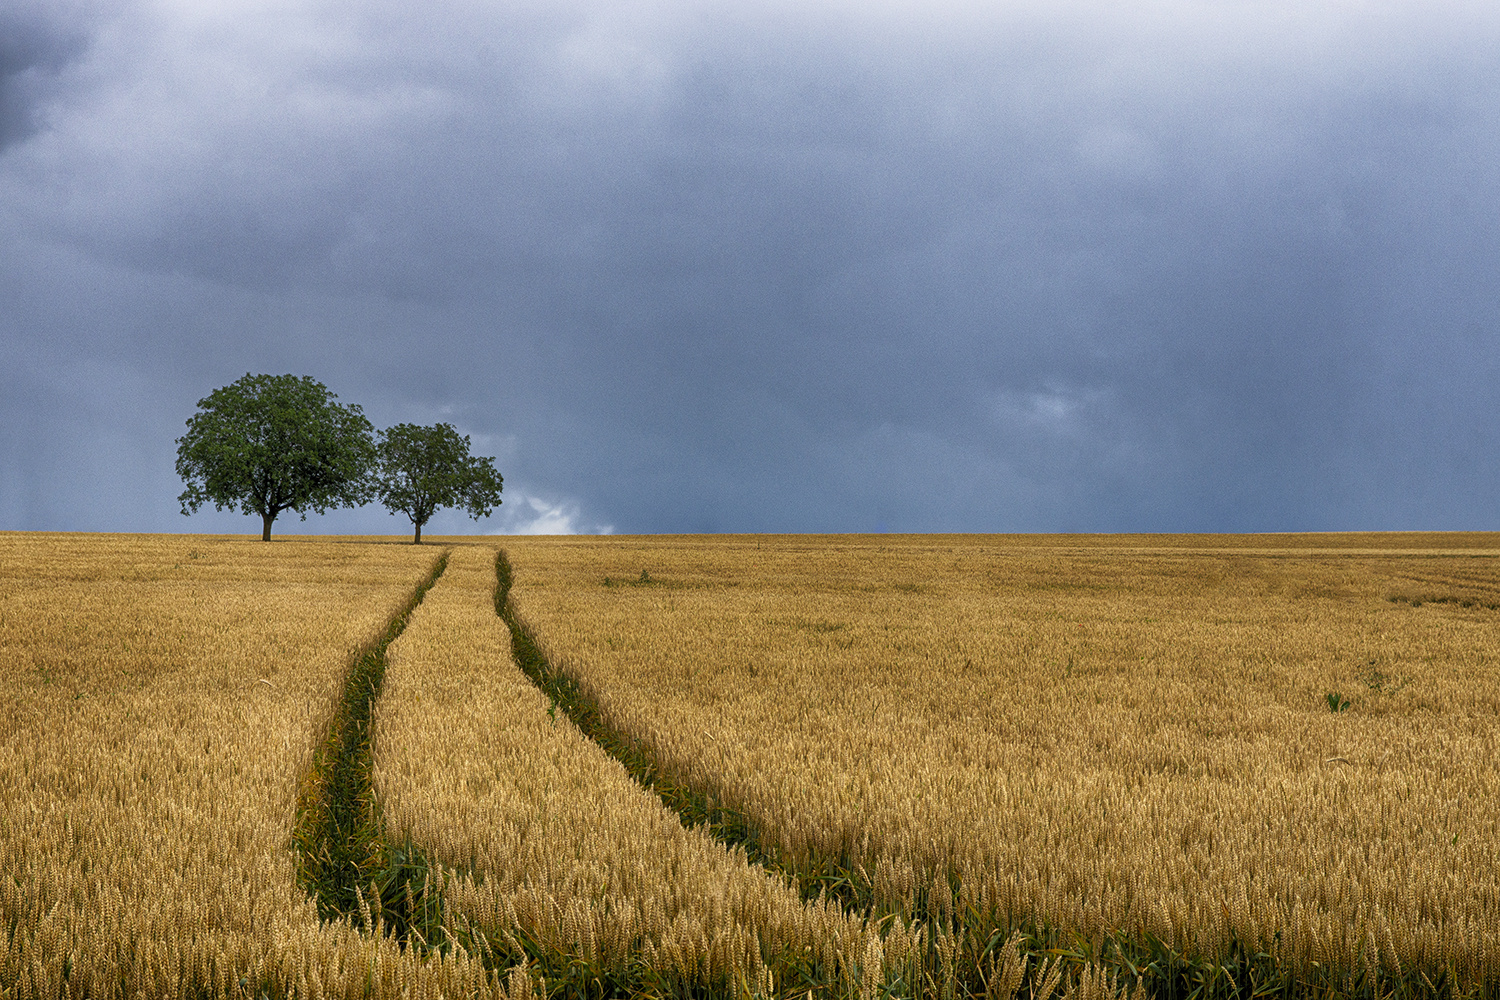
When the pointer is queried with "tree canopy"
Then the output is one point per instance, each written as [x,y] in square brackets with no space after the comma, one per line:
[422,469]
[271,443]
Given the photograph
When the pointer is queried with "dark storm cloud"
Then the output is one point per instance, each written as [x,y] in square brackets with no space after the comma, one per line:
[34,46]
[1177,266]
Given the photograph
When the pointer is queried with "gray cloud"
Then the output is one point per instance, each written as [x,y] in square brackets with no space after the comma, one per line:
[1172,266]
[35,44]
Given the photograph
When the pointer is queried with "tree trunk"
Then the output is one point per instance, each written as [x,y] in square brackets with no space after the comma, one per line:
[265,534]
[417,540]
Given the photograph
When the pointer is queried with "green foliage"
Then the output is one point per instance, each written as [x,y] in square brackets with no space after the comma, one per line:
[1336,701]
[270,443]
[422,469]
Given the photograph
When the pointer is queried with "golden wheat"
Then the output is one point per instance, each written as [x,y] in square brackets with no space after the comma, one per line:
[1128,734]
[159,700]
[557,846]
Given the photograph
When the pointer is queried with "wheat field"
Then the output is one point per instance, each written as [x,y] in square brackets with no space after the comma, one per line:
[159,700]
[1011,767]
[1273,746]
[558,851]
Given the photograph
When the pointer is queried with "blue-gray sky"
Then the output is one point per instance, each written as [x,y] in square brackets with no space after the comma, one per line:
[1066,265]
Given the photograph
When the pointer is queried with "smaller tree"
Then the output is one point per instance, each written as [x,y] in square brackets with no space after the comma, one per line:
[422,469]
[269,443]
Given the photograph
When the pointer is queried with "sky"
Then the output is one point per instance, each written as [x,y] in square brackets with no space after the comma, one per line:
[825,265]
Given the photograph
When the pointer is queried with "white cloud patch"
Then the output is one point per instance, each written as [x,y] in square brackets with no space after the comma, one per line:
[532,515]
[1057,410]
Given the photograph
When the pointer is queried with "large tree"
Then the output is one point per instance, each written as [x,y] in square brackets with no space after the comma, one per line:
[425,468]
[270,443]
